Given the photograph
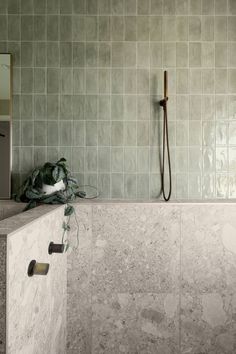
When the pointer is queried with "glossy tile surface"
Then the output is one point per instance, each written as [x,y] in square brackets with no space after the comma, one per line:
[90,73]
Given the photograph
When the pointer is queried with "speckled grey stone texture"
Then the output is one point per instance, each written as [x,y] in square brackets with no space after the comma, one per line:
[153,278]
[35,310]
[123,282]
[130,242]
[3,250]
[40,301]
[208,288]
[79,310]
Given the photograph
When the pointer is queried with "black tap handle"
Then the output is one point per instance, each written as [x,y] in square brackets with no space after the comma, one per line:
[56,248]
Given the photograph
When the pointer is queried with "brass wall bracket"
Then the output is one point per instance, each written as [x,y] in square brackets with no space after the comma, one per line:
[35,268]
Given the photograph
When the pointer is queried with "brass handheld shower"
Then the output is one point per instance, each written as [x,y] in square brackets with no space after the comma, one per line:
[165,141]
[165,85]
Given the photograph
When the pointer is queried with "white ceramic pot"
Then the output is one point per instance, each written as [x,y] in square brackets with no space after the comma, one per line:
[47,189]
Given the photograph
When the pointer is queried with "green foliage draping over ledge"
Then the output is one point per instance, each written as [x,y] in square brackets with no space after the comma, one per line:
[51,184]
[32,190]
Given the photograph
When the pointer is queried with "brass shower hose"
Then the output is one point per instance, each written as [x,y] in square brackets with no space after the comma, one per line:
[165,143]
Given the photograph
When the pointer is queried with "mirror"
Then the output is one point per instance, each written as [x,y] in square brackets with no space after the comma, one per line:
[5,125]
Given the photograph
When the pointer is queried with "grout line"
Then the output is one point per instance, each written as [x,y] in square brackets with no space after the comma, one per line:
[180,281]
[110,119]
[215,181]
[91,273]
[202,131]
[151,103]
[227,101]
[98,107]
[118,15]
[59,93]
[124,113]
[84,105]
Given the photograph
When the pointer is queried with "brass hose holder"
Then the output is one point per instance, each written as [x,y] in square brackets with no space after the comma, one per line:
[163,102]
[35,268]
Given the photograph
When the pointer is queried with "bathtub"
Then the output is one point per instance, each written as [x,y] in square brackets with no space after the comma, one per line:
[153,277]
[148,277]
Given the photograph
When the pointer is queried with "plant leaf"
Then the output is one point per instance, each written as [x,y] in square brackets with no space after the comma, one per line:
[32,204]
[69,210]
[62,159]
[58,173]
[65,226]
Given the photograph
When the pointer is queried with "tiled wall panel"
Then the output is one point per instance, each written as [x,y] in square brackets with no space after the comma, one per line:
[87,79]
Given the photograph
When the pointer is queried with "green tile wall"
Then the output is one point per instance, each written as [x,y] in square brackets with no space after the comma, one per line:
[87,79]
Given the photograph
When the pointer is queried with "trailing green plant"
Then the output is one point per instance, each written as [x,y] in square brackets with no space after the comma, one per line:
[32,192]
[69,211]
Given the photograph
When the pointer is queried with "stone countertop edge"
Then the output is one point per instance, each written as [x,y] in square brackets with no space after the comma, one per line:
[15,223]
[154,201]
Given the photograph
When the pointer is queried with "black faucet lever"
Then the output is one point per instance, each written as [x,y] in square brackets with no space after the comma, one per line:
[56,248]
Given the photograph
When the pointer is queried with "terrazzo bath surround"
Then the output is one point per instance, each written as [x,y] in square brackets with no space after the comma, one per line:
[147,278]
[32,309]
[153,278]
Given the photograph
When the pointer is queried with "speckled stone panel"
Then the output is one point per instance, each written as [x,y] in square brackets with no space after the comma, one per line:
[208,298]
[123,282]
[36,306]
[136,248]
[153,278]
[3,249]
[79,310]
[135,323]
[136,272]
